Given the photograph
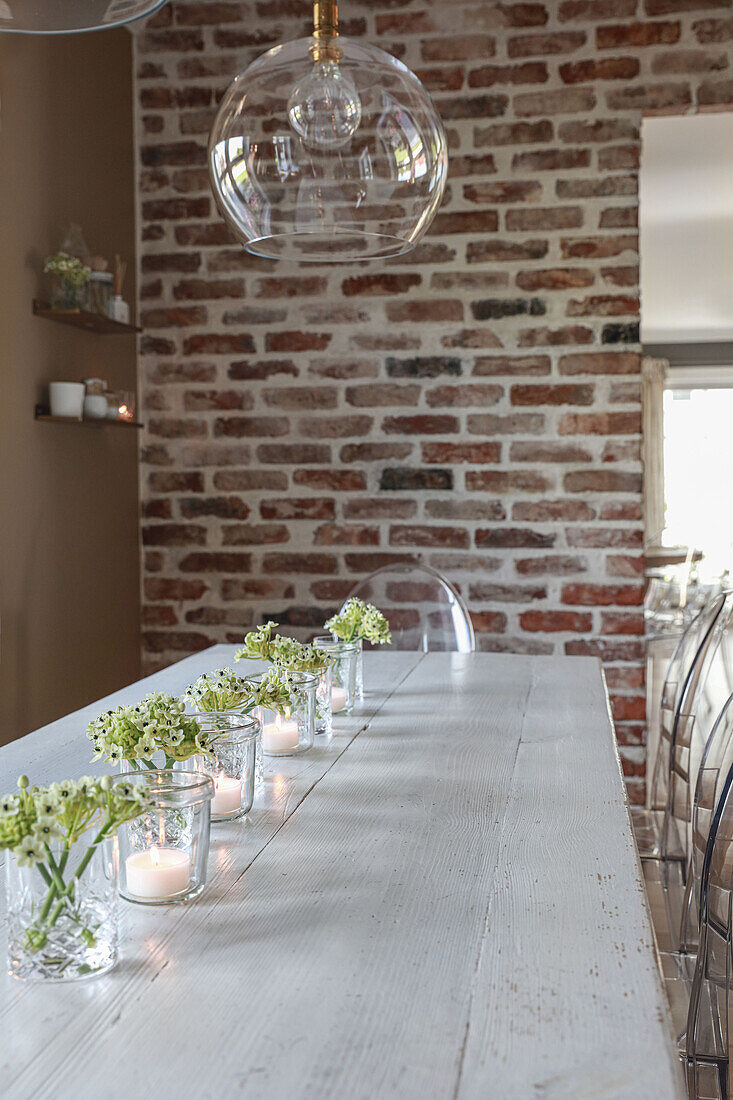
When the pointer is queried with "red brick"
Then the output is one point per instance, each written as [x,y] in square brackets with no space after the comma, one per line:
[508,537]
[531,72]
[331,534]
[628,707]
[278,562]
[568,101]
[157,509]
[602,130]
[549,451]
[201,289]
[601,362]
[667,7]
[503,191]
[218,344]
[458,47]
[175,481]
[294,454]
[489,622]
[519,365]
[551,160]
[616,623]
[461,452]
[595,595]
[555,278]
[606,68]
[336,427]
[203,400]
[637,35]
[570,334]
[252,587]
[618,565]
[301,508]
[505,251]
[174,641]
[556,565]
[543,218]
[301,397]
[338,481]
[374,452]
[238,427]
[296,341]
[598,247]
[215,562]
[545,44]
[174,534]
[551,621]
[513,424]
[173,318]
[420,425]
[173,588]
[382,394]
[465,509]
[616,423]
[384,283]
[379,509]
[221,507]
[466,221]
[552,395]
[290,287]
[250,480]
[595,10]
[650,97]
[603,537]
[452,537]
[550,511]
[464,396]
[507,481]
[252,534]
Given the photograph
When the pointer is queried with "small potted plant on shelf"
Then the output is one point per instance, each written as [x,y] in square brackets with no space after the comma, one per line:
[71,281]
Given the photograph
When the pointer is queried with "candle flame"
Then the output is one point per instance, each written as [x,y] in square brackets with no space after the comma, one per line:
[154,857]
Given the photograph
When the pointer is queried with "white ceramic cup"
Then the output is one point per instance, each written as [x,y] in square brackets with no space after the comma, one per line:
[66,399]
[95,406]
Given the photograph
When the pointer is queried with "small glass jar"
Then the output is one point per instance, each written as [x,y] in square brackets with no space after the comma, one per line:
[234,738]
[69,296]
[324,713]
[344,657]
[359,643]
[291,733]
[63,936]
[163,853]
[100,291]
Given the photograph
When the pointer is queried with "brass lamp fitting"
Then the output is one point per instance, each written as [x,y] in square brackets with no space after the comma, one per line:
[325,31]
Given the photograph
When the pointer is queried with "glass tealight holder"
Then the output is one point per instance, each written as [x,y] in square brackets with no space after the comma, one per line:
[233,737]
[324,713]
[291,733]
[56,936]
[163,853]
[344,659]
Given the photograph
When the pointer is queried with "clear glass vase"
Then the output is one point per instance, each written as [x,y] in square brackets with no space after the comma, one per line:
[359,643]
[291,733]
[324,713]
[164,852]
[344,658]
[62,912]
[234,738]
[67,295]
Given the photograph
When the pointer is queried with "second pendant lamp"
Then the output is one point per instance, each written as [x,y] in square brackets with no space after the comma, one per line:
[328,149]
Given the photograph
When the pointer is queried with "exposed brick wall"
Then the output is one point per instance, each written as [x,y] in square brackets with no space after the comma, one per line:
[477,403]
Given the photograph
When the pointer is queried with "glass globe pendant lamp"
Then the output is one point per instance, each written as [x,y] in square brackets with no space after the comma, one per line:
[70,16]
[327,149]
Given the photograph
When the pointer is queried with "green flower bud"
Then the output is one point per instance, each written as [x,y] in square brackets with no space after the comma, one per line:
[23,782]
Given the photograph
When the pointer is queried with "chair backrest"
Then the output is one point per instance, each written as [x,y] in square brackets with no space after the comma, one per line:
[707,1036]
[676,693]
[425,611]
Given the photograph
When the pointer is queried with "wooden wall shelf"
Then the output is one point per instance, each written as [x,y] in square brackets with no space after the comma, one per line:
[43,414]
[82,318]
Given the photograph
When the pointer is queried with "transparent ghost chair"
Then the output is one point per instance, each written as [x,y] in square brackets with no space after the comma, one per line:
[706,1042]
[656,829]
[425,611]
[678,965]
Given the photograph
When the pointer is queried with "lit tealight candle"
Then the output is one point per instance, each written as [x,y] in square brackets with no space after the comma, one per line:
[338,699]
[280,737]
[158,872]
[227,795]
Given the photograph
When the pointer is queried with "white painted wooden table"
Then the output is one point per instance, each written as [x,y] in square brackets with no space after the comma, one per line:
[445,902]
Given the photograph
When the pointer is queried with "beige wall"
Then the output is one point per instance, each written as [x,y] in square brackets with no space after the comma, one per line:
[69,617]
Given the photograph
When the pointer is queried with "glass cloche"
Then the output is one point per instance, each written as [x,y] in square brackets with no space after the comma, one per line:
[70,16]
[328,149]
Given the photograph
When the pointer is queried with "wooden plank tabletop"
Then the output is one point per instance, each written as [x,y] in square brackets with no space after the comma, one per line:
[445,902]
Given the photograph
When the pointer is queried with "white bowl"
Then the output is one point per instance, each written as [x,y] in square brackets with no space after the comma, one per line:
[66,399]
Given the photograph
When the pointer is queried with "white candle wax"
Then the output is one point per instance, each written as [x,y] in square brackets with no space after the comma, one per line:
[227,795]
[338,699]
[158,872]
[280,737]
